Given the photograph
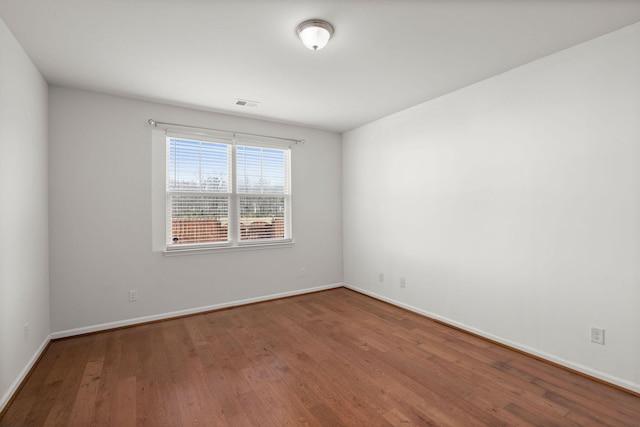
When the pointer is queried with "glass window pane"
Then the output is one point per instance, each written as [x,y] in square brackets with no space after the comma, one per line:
[262,170]
[198,166]
[198,219]
[262,218]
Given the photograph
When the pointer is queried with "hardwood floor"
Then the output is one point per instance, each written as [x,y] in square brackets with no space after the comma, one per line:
[331,358]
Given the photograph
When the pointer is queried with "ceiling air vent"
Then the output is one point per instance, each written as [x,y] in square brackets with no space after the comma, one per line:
[246,103]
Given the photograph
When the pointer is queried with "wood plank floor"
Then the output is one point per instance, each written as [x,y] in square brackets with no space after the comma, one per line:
[326,359]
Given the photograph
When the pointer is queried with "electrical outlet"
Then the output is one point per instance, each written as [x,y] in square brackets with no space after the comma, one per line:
[26,331]
[133,295]
[380,277]
[303,272]
[597,335]
[403,283]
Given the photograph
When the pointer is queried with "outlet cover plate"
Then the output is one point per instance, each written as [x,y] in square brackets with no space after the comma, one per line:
[597,335]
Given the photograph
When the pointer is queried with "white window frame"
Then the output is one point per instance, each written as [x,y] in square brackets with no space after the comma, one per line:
[234,231]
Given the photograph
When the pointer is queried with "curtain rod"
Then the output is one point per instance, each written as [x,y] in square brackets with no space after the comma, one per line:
[154,123]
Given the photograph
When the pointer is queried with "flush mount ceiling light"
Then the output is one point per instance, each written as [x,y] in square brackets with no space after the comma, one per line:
[315,33]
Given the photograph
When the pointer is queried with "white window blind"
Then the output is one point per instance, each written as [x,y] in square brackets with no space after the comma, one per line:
[264,192]
[205,208]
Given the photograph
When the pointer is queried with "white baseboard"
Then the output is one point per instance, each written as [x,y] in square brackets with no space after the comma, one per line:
[575,366]
[162,316]
[23,374]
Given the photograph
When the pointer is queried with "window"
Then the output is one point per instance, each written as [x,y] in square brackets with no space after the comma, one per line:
[222,194]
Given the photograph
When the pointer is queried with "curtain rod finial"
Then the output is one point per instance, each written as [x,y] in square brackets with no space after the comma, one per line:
[152,122]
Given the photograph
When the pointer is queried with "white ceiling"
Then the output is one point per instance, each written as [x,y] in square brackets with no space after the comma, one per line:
[385,56]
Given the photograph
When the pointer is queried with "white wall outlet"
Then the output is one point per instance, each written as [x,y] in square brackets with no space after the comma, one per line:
[303,272]
[380,277]
[133,295]
[597,335]
[26,331]
[403,282]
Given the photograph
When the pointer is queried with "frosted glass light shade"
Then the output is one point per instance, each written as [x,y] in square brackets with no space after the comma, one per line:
[315,34]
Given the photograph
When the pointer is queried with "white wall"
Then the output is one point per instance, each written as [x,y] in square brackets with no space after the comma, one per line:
[101,230]
[511,207]
[24,253]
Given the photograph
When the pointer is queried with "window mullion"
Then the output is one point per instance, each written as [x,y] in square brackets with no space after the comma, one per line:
[261,171]
[234,204]
[200,168]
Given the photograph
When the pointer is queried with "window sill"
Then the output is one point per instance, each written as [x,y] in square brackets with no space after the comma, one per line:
[241,248]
